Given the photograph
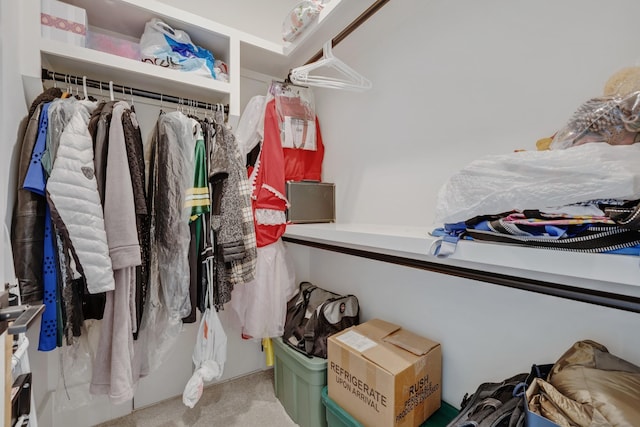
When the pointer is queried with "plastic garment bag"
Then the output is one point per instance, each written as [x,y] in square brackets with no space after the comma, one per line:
[168,295]
[295,109]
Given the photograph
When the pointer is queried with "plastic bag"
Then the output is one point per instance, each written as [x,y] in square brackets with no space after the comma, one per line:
[162,45]
[539,179]
[76,367]
[295,108]
[299,18]
[209,356]
[614,120]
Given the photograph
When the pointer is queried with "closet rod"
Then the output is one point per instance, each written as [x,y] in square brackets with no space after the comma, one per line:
[351,27]
[127,90]
[590,296]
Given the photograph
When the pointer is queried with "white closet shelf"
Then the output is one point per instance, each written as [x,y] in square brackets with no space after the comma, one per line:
[75,60]
[128,17]
[617,274]
[276,60]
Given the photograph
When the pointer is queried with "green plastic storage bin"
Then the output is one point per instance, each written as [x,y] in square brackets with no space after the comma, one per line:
[299,381]
[338,417]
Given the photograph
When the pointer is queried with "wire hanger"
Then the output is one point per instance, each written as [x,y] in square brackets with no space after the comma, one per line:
[349,78]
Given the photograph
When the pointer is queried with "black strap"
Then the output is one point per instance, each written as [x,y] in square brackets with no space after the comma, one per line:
[595,240]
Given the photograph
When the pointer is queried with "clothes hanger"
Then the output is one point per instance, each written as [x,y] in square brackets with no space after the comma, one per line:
[349,79]
[111,90]
[132,106]
[84,87]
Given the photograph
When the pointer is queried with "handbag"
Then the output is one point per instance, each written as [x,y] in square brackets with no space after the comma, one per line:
[313,314]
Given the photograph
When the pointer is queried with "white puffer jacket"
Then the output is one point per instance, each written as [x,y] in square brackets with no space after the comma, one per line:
[73,190]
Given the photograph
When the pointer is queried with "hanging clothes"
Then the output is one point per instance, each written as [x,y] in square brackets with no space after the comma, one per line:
[171,174]
[198,200]
[75,203]
[261,305]
[71,292]
[27,229]
[99,125]
[277,165]
[135,154]
[113,369]
[268,195]
[250,130]
[60,112]
[231,218]
[99,122]
[69,319]
[35,182]
[284,156]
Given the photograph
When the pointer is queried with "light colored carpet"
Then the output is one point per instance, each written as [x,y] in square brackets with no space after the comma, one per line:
[244,402]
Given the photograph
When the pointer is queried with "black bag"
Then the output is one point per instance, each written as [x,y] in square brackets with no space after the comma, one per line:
[315,313]
[492,405]
[498,404]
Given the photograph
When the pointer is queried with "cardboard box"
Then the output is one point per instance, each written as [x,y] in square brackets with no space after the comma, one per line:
[384,375]
[63,22]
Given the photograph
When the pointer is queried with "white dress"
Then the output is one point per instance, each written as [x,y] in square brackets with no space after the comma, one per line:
[261,304]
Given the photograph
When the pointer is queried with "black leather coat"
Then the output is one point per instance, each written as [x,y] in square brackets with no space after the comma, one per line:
[27,227]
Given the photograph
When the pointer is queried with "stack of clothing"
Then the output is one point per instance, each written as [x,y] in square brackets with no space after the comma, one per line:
[582,199]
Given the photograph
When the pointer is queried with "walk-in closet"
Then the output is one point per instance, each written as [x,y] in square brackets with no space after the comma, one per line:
[173,172]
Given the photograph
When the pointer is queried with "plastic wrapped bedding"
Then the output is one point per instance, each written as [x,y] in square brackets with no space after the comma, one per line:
[538,179]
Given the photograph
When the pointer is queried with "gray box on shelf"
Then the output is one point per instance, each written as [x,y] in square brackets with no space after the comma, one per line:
[311,201]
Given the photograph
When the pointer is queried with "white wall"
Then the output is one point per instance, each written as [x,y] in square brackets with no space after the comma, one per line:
[12,109]
[487,332]
[453,81]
